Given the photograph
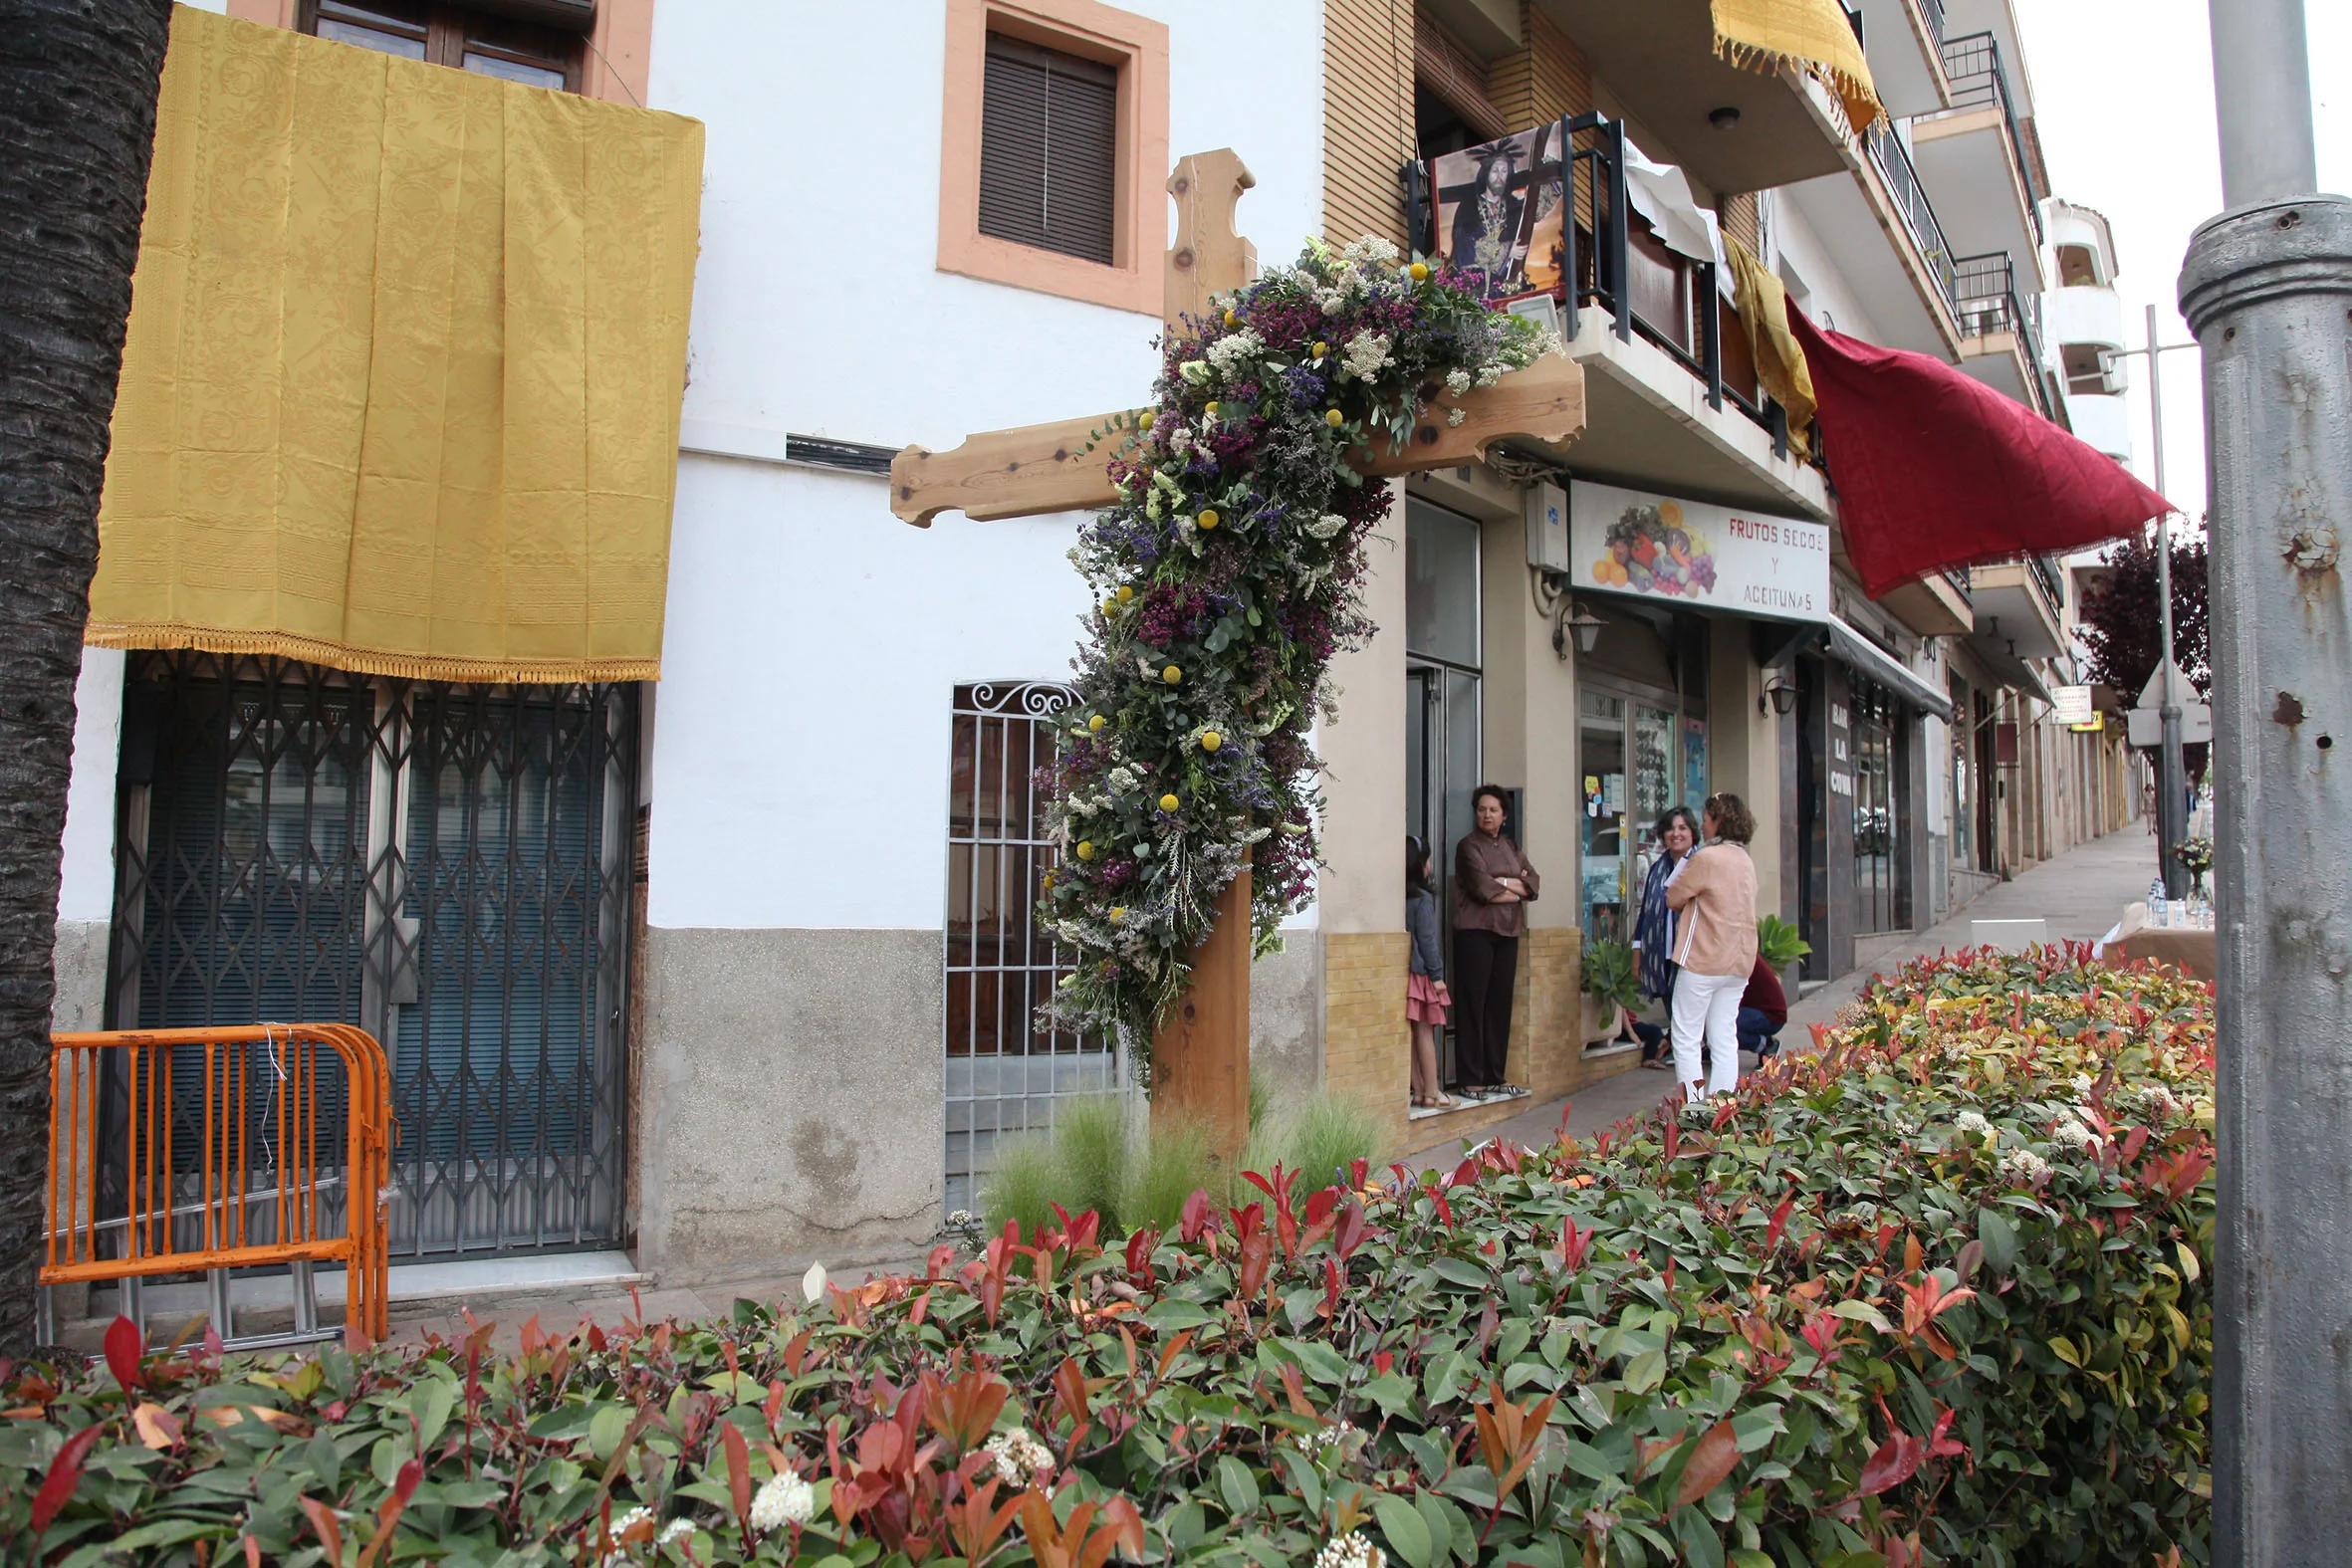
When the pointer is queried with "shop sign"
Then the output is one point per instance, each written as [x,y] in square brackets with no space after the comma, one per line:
[1697,554]
[2072,705]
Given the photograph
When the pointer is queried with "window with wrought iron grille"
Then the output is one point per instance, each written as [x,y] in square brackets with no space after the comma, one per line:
[447,866]
[1007,1067]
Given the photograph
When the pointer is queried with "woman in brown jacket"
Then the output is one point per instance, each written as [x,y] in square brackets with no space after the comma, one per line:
[1492,884]
[1714,897]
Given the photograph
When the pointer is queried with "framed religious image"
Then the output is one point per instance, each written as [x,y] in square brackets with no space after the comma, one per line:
[1498,209]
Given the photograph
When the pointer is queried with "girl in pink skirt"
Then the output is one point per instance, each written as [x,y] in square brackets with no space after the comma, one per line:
[1426,998]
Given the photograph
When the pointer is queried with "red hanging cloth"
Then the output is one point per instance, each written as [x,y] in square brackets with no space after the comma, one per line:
[1933,469]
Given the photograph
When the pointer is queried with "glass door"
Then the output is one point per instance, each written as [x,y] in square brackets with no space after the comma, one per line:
[1601,894]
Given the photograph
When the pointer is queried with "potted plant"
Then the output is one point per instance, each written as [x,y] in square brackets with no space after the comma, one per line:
[1612,988]
[1780,943]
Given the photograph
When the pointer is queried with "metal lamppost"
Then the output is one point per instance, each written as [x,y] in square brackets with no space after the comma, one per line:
[2172,796]
[2267,290]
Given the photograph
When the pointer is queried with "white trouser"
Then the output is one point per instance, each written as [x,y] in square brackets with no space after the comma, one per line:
[1707,1006]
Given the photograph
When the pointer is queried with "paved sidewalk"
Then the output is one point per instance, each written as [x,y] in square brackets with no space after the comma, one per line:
[2081,893]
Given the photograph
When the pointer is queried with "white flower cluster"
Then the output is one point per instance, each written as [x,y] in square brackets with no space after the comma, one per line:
[1368,355]
[1021,1459]
[1371,248]
[781,1500]
[1457,381]
[2070,1133]
[1352,1550]
[1333,1437]
[1324,527]
[2152,1103]
[1121,778]
[1230,355]
[2023,1166]
[1971,1123]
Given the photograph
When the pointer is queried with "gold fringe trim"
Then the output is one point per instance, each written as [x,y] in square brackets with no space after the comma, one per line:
[1848,89]
[165,635]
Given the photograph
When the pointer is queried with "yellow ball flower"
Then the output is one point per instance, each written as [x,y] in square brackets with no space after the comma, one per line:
[1322,348]
[1110,605]
[1335,418]
[1211,739]
[1095,724]
[1232,319]
[1169,803]
[1086,849]
[1211,406]
[1143,420]
[1125,593]
[1419,272]
[1208,517]
[1118,912]
[1171,675]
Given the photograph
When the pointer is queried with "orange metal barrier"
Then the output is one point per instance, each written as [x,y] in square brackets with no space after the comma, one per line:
[224,1172]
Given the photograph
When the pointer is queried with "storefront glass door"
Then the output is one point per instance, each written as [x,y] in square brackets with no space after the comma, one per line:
[1602,760]
[1876,828]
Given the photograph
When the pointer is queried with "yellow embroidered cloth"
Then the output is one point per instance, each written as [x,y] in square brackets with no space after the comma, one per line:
[1764,35]
[1762,302]
[400,387]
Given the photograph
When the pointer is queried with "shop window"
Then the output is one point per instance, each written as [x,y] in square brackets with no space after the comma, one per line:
[461,37]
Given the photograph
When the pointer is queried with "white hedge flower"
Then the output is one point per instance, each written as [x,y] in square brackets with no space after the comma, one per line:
[1352,1550]
[1973,1123]
[2071,1134]
[781,1500]
[675,1532]
[2023,1166]
[1021,1459]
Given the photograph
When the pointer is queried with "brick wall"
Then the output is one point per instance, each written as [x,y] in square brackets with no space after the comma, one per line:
[1367,118]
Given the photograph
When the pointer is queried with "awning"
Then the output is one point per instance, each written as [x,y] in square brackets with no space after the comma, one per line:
[1850,648]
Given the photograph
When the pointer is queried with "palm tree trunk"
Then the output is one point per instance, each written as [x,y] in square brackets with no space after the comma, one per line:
[78,125]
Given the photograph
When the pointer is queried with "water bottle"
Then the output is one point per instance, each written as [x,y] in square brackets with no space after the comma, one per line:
[2156,907]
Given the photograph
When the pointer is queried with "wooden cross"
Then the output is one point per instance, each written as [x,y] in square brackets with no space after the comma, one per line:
[1201,1058]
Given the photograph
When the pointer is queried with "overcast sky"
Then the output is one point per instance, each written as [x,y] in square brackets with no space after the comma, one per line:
[2123,96]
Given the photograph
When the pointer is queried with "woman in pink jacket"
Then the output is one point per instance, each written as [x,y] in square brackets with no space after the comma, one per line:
[1714,898]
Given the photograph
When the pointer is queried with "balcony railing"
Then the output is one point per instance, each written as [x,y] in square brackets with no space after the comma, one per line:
[1989,302]
[1932,12]
[2046,574]
[1611,262]
[1973,66]
[1958,577]
[1893,162]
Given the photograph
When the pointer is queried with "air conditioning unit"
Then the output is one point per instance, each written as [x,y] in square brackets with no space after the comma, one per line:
[1548,527]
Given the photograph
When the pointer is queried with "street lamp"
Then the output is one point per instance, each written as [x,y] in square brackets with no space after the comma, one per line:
[1586,626]
[1780,692]
[2172,789]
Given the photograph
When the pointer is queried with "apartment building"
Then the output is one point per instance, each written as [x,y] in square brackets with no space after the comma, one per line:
[709,972]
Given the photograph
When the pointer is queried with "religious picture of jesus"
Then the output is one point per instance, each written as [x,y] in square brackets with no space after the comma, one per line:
[1499,207]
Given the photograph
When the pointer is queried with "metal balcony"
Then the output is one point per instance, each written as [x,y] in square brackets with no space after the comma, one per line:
[1893,161]
[1973,66]
[1988,304]
[1671,301]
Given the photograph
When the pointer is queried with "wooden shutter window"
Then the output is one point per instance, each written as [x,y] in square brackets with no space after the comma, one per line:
[1048,150]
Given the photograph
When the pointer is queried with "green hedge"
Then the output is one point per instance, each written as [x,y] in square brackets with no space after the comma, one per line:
[1938,1295]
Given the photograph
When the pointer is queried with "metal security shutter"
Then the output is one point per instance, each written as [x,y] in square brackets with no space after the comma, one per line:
[1049,149]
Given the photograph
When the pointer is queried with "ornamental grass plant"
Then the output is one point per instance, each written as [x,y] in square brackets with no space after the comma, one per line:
[1938,1293]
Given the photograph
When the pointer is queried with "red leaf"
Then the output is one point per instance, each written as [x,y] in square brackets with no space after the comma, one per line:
[1714,1456]
[739,1473]
[1140,1245]
[1895,1462]
[1779,1221]
[1352,1229]
[1573,1244]
[1320,1204]
[125,1346]
[65,1473]
[1199,1217]
[1382,1360]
